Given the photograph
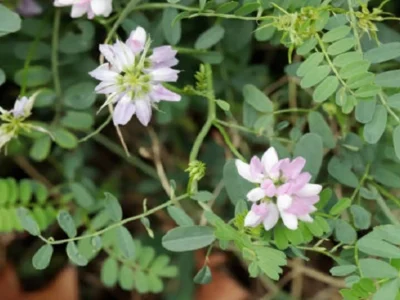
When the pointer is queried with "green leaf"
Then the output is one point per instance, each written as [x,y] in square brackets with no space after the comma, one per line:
[354,69]
[126,278]
[257,99]
[142,284]
[188,238]
[112,207]
[389,79]
[179,216]
[374,268]
[365,110]
[377,247]
[25,191]
[360,80]
[344,232]
[10,21]
[80,95]
[2,77]
[315,76]
[33,76]
[342,173]
[247,9]
[310,147]
[223,104]
[384,52]
[226,7]
[125,242]
[388,291]
[341,46]
[361,217]
[343,270]
[336,34]
[394,101]
[396,140]
[326,89]
[367,91]
[202,4]
[202,196]
[374,129]
[65,139]
[79,38]
[27,222]
[203,276]
[280,238]
[82,195]
[75,256]
[40,149]
[346,58]
[155,283]
[210,37]
[307,46]
[236,187]
[42,257]
[109,272]
[319,126]
[67,223]
[340,206]
[172,33]
[77,120]
[310,63]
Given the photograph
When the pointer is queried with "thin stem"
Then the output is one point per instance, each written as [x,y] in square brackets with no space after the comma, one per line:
[152,6]
[211,115]
[354,25]
[228,141]
[115,225]
[97,131]
[231,125]
[292,110]
[226,16]
[365,176]
[133,160]
[54,61]
[385,104]
[386,210]
[387,194]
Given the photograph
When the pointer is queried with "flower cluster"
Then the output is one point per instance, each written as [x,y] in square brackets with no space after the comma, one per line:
[132,78]
[14,120]
[91,8]
[283,190]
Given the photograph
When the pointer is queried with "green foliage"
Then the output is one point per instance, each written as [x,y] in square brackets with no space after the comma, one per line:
[144,272]
[25,205]
[188,238]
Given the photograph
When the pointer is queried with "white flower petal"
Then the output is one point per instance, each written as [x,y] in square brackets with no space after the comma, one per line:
[104,73]
[284,202]
[78,10]
[123,111]
[143,111]
[290,221]
[252,219]
[159,93]
[106,87]
[164,74]
[101,7]
[306,218]
[137,39]
[255,194]
[269,159]
[309,189]
[272,217]
[244,170]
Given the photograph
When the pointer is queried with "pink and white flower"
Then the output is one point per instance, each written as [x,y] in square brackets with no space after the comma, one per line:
[280,184]
[132,78]
[91,8]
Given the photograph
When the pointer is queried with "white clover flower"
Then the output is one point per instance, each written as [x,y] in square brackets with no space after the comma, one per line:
[14,120]
[133,78]
[90,7]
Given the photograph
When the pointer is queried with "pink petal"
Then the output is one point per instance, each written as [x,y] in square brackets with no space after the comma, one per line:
[256,168]
[143,111]
[159,93]
[269,188]
[293,169]
[123,112]
[137,40]
[252,219]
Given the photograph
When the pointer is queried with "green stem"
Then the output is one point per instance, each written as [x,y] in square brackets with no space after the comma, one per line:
[115,225]
[98,130]
[211,115]
[54,61]
[228,141]
[386,210]
[292,110]
[133,160]
[231,125]
[152,6]
[385,104]
[387,194]
[365,176]
[127,10]
[354,26]
[226,16]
